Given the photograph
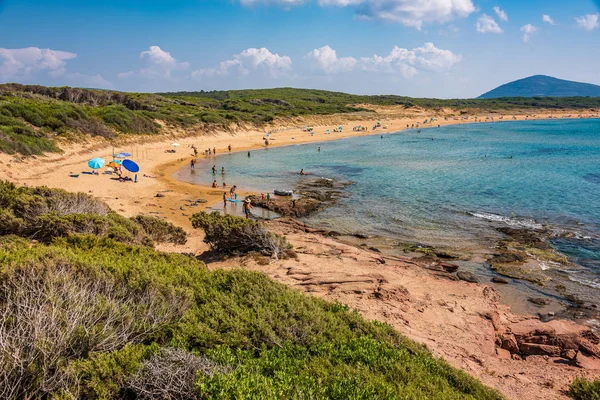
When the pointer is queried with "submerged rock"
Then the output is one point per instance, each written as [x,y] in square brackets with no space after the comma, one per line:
[467,276]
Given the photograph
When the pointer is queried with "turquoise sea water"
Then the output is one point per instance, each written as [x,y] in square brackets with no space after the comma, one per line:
[449,186]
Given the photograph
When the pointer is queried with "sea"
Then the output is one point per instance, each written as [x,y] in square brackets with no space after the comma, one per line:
[451,187]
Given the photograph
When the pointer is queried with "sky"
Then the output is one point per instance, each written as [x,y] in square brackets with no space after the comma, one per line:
[418,48]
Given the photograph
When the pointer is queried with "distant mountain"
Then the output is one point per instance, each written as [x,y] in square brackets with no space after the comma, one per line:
[545,86]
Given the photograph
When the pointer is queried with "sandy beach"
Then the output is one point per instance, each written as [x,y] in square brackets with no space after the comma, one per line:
[459,321]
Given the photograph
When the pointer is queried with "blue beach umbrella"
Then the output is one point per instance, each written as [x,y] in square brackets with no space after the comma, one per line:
[130,166]
[96,163]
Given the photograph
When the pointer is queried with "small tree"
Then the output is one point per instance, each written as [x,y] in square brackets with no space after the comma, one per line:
[235,235]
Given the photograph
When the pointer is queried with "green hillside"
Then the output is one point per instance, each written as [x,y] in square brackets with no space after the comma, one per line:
[541,85]
[33,119]
[88,316]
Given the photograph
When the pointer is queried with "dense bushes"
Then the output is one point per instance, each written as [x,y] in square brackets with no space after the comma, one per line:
[230,234]
[42,213]
[161,231]
[582,389]
[246,336]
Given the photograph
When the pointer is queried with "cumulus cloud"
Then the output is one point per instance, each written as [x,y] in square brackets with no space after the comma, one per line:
[588,22]
[400,60]
[159,64]
[413,13]
[24,65]
[249,60]
[486,24]
[528,30]
[327,60]
[501,13]
[547,19]
[25,62]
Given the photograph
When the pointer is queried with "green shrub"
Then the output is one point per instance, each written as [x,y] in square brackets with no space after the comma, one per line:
[160,230]
[230,234]
[269,341]
[43,214]
[582,389]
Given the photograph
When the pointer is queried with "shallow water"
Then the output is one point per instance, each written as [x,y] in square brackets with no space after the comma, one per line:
[449,186]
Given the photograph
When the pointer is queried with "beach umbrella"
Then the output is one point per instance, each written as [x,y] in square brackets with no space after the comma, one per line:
[175,144]
[126,154]
[113,164]
[119,162]
[96,163]
[121,155]
[131,166]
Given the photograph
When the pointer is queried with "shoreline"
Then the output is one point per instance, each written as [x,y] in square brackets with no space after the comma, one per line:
[457,320]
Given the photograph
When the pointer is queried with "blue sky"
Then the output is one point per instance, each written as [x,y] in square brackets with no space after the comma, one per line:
[421,48]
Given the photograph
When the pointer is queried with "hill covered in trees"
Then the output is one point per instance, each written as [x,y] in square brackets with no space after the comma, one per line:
[33,119]
[542,85]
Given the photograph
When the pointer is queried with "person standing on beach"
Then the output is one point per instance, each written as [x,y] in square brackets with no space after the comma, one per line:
[229,148]
[224,200]
[214,150]
[192,163]
[247,208]
[232,191]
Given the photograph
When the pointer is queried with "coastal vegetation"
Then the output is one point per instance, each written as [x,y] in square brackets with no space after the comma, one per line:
[44,214]
[583,389]
[92,316]
[34,119]
[229,234]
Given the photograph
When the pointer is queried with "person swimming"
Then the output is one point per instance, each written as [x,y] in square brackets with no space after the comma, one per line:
[302,172]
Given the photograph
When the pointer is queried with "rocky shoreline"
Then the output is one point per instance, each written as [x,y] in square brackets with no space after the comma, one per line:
[515,257]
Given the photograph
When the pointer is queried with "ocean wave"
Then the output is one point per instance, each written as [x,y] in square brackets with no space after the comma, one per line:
[517,222]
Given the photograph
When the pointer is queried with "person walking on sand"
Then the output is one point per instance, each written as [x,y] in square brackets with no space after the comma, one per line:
[214,150]
[214,169]
[229,148]
[247,208]
[224,199]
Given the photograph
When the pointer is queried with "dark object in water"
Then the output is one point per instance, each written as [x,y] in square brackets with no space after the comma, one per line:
[467,276]
[280,192]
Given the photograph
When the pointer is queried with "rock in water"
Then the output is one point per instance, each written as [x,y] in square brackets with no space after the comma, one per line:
[498,279]
[539,301]
[467,276]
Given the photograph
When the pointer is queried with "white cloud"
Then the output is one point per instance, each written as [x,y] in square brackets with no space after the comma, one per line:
[327,60]
[588,22]
[159,64]
[413,13]
[501,13]
[251,59]
[528,30]
[486,24]
[410,62]
[547,19]
[24,63]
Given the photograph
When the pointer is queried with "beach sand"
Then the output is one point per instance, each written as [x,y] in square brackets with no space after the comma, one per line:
[452,318]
